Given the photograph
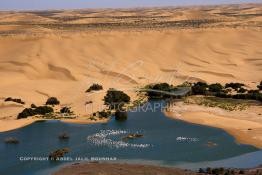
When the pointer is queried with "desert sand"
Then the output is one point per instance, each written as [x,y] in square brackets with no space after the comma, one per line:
[244,125]
[61,53]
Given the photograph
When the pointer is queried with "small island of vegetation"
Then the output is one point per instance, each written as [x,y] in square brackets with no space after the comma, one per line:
[95,87]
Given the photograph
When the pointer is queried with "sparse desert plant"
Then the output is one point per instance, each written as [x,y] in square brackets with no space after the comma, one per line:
[94,87]
[65,109]
[52,101]
[16,100]
[33,106]
[88,102]
[241,90]
[104,114]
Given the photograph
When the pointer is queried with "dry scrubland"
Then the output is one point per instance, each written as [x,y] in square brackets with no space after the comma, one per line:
[61,53]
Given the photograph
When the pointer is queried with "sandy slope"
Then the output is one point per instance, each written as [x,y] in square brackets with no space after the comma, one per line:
[45,54]
[245,126]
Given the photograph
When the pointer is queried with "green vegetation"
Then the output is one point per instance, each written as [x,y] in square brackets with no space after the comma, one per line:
[11,140]
[94,87]
[52,101]
[159,91]
[218,90]
[234,86]
[224,103]
[40,110]
[241,90]
[215,87]
[65,110]
[116,99]
[16,100]
[199,88]
[102,114]
[56,155]
[33,106]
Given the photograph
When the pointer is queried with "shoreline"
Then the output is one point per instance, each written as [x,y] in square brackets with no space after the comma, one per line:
[244,131]
[130,169]
[119,168]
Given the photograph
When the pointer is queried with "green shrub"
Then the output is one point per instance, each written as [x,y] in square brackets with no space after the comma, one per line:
[95,87]
[40,110]
[52,101]
[241,90]
[158,90]
[65,110]
[33,106]
[199,88]
[116,99]
[104,114]
[215,87]
[234,86]
[16,100]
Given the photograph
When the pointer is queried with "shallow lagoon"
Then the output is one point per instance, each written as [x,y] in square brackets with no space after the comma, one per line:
[165,142]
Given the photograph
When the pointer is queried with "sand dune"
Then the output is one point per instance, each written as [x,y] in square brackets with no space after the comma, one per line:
[60,53]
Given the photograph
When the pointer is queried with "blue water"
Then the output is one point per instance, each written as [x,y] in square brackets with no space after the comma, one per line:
[166,141]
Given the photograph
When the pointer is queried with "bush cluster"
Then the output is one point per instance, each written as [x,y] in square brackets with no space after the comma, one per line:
[65,110]
[199,88]
[94,87]
[234,86]
[249,96]
[52,101]
[156,91]
[215,87]
[218,90]
[116,99]
[17,100]
[40,110]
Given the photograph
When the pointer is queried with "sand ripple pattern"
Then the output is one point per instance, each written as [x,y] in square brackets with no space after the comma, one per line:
[101,139]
